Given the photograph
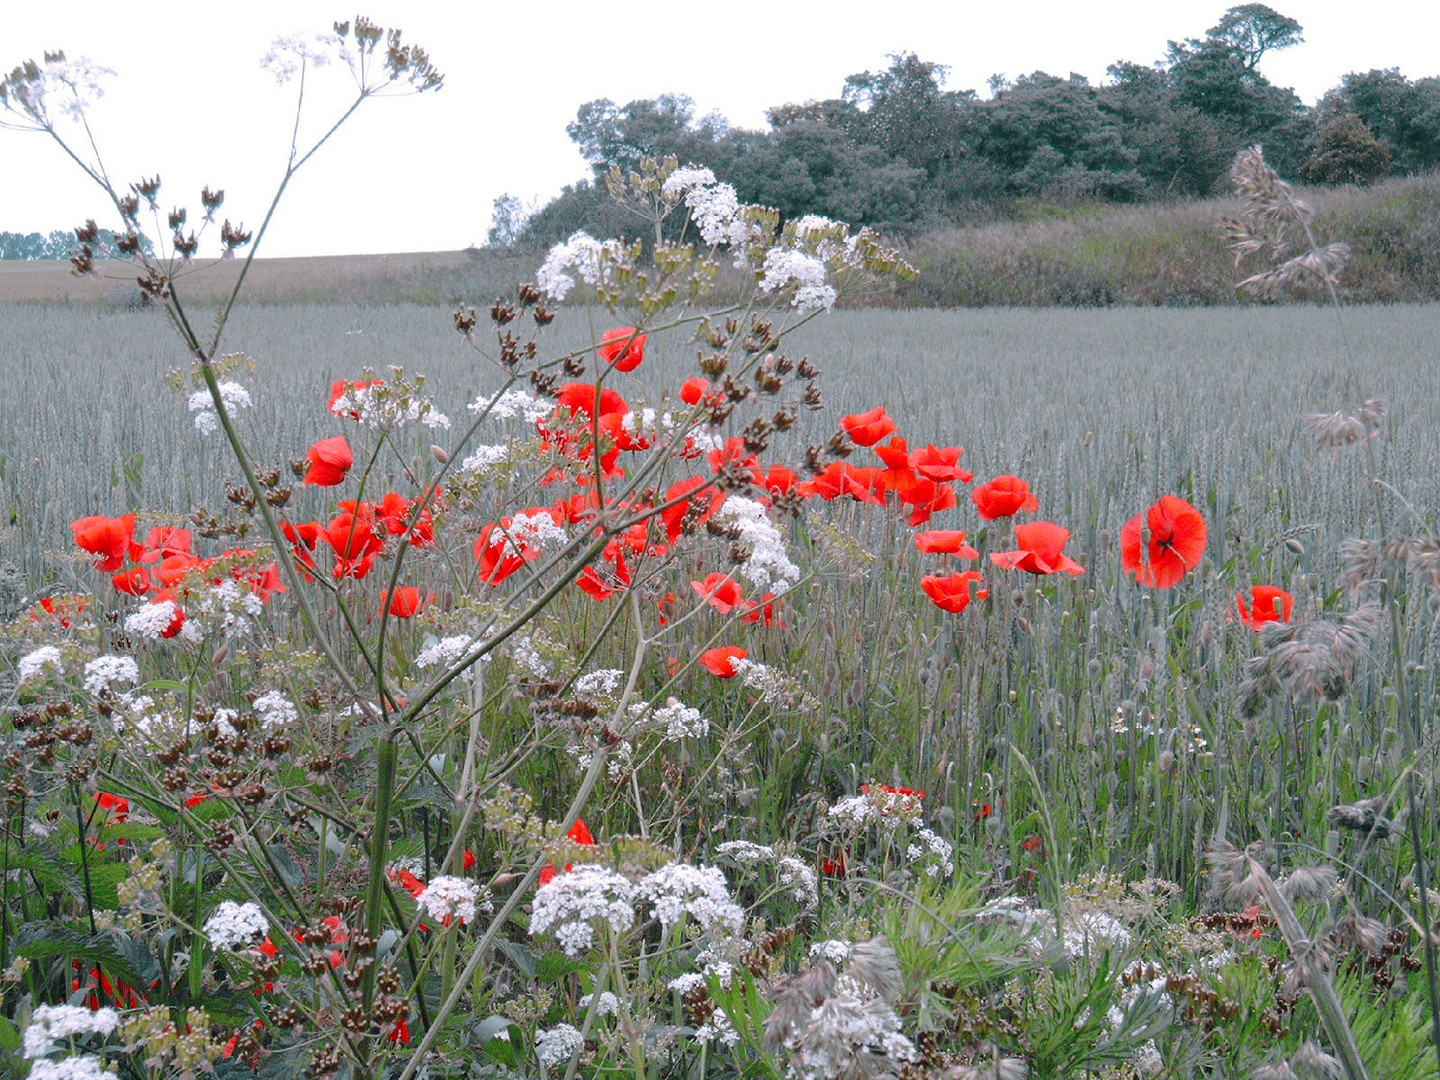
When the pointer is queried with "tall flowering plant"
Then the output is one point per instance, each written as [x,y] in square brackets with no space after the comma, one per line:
[279,743]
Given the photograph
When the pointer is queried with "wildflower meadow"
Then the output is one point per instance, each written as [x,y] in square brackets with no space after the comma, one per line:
[616,677]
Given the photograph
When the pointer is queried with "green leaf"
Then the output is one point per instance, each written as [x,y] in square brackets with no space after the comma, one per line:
[130,962]
[554,966]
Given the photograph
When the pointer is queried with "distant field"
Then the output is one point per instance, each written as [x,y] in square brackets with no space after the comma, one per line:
[1098,408]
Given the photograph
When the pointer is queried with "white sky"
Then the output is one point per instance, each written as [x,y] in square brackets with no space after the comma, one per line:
[190,101]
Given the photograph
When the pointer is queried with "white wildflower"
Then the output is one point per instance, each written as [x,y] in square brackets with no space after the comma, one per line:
[833,949]
[232,394]
[273,709]
[1092,930]
[679,889]
[933,850]
[582,253]
[717,1029]
[528,658]
[678,721]
[151,620]
[556,1046]
[287,55]
[715,209]
[767,566]
[71,1068]
[445,651]
[683,984]
[571,902]
[447,897]
[682,180]
[799,879]
[32,664]
[786,266]
[485,458]
[104,670]
[232,924]
[49,1023]
[513,403]
[746,853]
[855,809]
[608,1005]
[598,684]
[67,86]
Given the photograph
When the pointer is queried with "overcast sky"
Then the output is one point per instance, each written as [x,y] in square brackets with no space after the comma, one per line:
[190,101]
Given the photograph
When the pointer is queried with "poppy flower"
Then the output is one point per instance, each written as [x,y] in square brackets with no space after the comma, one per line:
[868,428]
[579,398]
[352,535]
[722,590]
[177,620]
[928,498]
[132,582]
[945,542]
[1176,542]
[165,540]
[778,480]
[692,390]
[1268,603]
[406,603]
[940,463]
[1005,496]
[109,538]
[1042,550]
[721,661]
[622,348]
[579,834]
[674,516]
[303,537]
[951,592]
[762,611]
[330,460]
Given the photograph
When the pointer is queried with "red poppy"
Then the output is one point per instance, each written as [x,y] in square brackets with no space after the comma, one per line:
[928,498]
[721,661]
[622,347]
[132,582]
[841,478]
[165,540]
[1177,540]
[951,592]
[1042,550]
[1268,603]
[302,537]
[579,398]
[865,790]
[778,480]
[60,608]
[945,542]
[722,590]
[401,1032]
[330,460]
[579,834]
[177,621]
[674,516]
[352,535]
[868,428]
[763,611]
[833,867]
[692,390]
[940,464]
[406,603]
[109,538]
[897,474]
[1004,496]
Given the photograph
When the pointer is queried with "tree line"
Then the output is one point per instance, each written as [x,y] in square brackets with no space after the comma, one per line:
[898,151]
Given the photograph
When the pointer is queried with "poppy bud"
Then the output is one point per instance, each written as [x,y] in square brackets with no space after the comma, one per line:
[440,454]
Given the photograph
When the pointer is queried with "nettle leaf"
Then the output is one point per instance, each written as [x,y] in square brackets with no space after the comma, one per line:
[114,952]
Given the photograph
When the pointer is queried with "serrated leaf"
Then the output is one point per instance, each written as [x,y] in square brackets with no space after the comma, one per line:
[46,940]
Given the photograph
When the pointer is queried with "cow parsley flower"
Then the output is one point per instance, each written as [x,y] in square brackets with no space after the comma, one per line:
[232,924]
[933,850]
[556,1046]
[582,253]
[447,897]
[513,403]
[679,889]
[598,684]
[32,664]
[715,209]
[151,620]
[445,651]
[485,458]
[50,1023]
[232,394]
[570,903]
[71,1068]
[608,1005]
[288,55]
[683,180]
[784,267]
[768,566]
[273,709]
[746,853]
[799,879]
[104,670]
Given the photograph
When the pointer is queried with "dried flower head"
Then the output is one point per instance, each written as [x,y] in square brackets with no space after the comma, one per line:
[1310,660]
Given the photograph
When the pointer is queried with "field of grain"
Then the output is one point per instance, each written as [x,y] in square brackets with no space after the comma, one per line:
[1063,729]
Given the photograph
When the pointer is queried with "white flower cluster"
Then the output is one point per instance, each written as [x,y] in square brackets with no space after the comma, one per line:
[768,567]
[933,849]
[377,406]
[229,606]
[676,719]
[598,684]
[799,879]
[513,403]
[49,1023]
[717,1029]
[202,404]
[683,984]
[784,266]
[485,458]
[528,658]
[836,950]
[608,1005]
[71,1068]
[287,55]
[556,1046]
[569,903]
[74,85]
[717,213]
[745,853]
[582,253]
[273,709]
[1092,930]
[104,670]
[535,530]
[446,897]
[773,686]
[232,924]
[151,619]
[679,182]
[679,889]
[445,651]
[35,663]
